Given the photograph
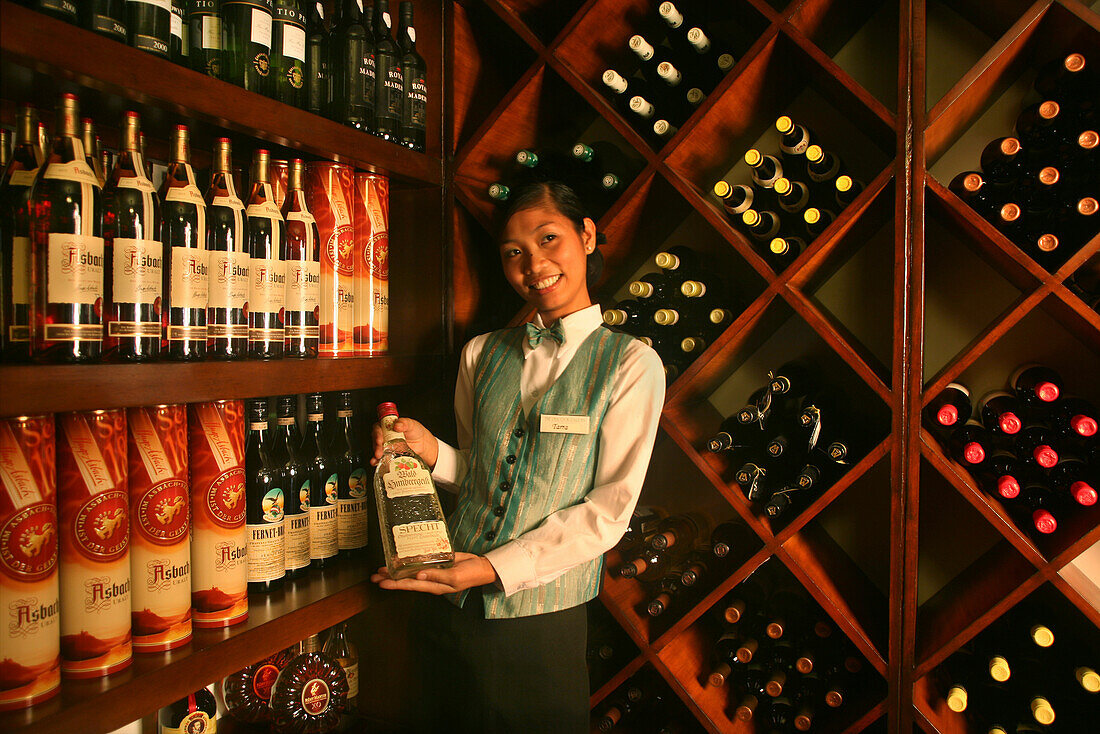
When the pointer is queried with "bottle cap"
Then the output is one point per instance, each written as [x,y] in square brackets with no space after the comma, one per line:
[1010,146]
[498,191]
[691,344]
[615,81]
[583,152]
[1088,678]
[385,409]
[1074,63]
[1008,487]
[666,316]
[1044,522]
[641,289]
[844,182]
[719,315]
[666,261]
[973,453]
[814,153]
[1088,139]
[750,217]
[779,246]
[1045,456]
[948,415]
[693,289]
[774,687]
[609,181]
[722,189]
[1042,636]
[804,665]
[1010,423]
[1048,175]
[613,317]
[1047,392]
[784,124]
[1010,212]
[658,605]
[956,699]
[527,158]
[746,708]
[753,157]
[1087,206]
[1083,493]
[835,698]
[1083,425]
[999,669]
[775,629]
[1049,110]
[782,185]
[1042,711]
[812,215]
[718,676]
[747,649]
[736,610]
[973,181]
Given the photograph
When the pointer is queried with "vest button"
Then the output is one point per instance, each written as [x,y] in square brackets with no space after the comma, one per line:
[498,511]
[491,535]
[510,458]
[505,486]
[518,433]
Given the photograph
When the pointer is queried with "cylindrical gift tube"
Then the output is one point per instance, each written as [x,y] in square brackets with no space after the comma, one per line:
[371,263]
[330,196]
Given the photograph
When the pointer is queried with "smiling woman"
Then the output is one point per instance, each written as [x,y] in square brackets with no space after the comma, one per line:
[556,421]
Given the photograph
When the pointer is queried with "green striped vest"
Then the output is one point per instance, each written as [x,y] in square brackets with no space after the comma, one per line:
[518,476]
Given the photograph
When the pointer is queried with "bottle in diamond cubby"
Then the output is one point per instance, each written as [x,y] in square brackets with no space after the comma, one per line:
[766,169]
[632,316]
[15,237]
[303,269]
[149,25]
[1002,412]
[285,451]
[822,167]
[1037,445]
[972,189]
[414,532]
[1074,478]
[1075,418]
[680,530]
[264,506]
[134,254]
[782,251]
[1003,162]
[204,31]
[288,53]
[1043,126]
[228,261]
[318,74]
[323,495]
[389,83]
[950,409]
[347,454]
[352,66]
[66,212]
[970,444]
[414,111]
[792,196]
[265,237]
[185,269]
[736,199]
[246,44]
[106,17]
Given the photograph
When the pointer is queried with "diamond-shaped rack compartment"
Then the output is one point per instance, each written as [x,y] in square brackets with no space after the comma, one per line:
[986,104]
[483,300]
[488,61]
[783,78]
[1032,670]
[861,38]
[675,485]
[1078,581]
[765,340]
[544,18]
[960,34]
[643,703]
[690,659]
[610,650]
[531,119]
[848,285]
[966,571]
[655,217]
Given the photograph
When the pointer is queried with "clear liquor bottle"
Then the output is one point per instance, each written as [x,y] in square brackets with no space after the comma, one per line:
[15,237]
[342,650]
[414,533]
[228,261]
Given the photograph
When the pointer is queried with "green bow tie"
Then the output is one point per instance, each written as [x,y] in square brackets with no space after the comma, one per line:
[535,335]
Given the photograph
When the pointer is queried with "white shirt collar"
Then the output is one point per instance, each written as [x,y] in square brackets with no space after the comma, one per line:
[576,327]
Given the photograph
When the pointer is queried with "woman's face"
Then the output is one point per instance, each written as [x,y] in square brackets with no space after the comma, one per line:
[544,259]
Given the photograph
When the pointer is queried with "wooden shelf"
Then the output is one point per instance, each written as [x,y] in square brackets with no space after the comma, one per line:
[35,389]
[61,55]
[275,621]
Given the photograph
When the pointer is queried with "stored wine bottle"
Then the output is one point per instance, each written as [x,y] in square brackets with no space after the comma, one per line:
[186,275]
[951,408]
[1002,475]
[970,444]
[679,530]
[227,251]
[793,144]
[736,199]
[847,189]
[732,540]
[205,37]
[713,55]
[107,18]
[1040,504]
[793,196]
[668,587]
[15,237]
[1002,412]
[284,448]
[634,317]
[817,221]
[414,111]
[68,248]
[149,25]
[389,96]
[195,714]
[265,235]
[649,565]
[265,504]
[1036,385]
[246,50]
[1075,418]
[652,56]
[1074,478]
[1042,126]
[303,269]
[970,187]
[318,72]
[621,90]
[1063,78]
[766,169]
[179,46]
[323,544]
[1002,162]
[288,53]
[762,225]
[785,250]
[821,166]
[346,452]
[65,10]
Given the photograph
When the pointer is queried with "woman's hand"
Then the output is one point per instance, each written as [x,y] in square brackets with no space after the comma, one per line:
[419,438]
[467,572]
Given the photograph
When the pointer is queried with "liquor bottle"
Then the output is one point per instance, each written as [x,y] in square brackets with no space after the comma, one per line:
[179,45]
[288,53]
[766,169]
[149,25]
[785,250]
[204,34]
[793,196]
[247,693]
[106,17]
[318,73]
[352,68]
[265,237]
[68,249]
[246,44]
[1002,162]
[1042,126]
[323,545]
[389,85]
[414,534]
[951,408]
[1002,412]
[90,140]
[732,540]
[341,649]
[821,166]
[817,221]
[414,110]
[971,188]
[736,199]
[795,140]
[847,189]
[310,694]
[1036,385]
[194,714]
[185,271]
[1063,78]
[303,270]
[679,530]
[15,237]
[346,453]
[265,504]
[1075,418]
[762,225]
[227,251]
[1074,478]
[284,448]
[65,10]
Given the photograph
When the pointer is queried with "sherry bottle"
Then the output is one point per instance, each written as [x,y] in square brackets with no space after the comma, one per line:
[266,241]
[389,80]
[318,73]
[68,251]
[265,505]
[288,53]
[410,518]
[350,460]
[414,113]
[352,67]
[246,44]
[65,10]
[107,18]
[303,269]
[204,34]
[323,545]
[227,299]
[15,237]
[149,25]
[285,451]
[186,275]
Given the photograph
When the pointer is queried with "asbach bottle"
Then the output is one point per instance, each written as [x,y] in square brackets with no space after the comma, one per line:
[15,237]
[303,269]
[266,241]
[228,261]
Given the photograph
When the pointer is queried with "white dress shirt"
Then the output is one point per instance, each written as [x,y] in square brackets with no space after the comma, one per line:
[579,533]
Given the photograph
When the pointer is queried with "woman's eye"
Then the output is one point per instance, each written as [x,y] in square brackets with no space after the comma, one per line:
[549,237]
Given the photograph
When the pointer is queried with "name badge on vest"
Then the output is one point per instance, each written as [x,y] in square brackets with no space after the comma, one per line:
[563,424]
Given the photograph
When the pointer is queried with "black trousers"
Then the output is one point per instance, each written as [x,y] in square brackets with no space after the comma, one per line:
[502,676]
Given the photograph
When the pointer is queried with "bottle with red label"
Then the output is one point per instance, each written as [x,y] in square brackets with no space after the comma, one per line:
[247,693]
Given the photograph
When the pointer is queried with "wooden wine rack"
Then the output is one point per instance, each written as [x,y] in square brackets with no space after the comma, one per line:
[907,93]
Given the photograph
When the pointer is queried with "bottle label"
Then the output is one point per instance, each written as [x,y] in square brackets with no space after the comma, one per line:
[177,28]
[136,268]
[407,478]
[150,43]
[393,88]
[138,182]
[212,32]
[303,286]
[416,103]
[228,279]
[294,42]
[351,670]
[266,549]
[187,194]
[188,278]
[195,722]
[352,522]
[22,178]
[21,270]
[105,24]
[323,542]
[267,291]
[315,697]
[297,535]
[261,27]
[74,269]
[76,170]
[162,4]
[421,539]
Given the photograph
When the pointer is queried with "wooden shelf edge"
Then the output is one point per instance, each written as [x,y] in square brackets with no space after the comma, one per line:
[37,389]
[56,48]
